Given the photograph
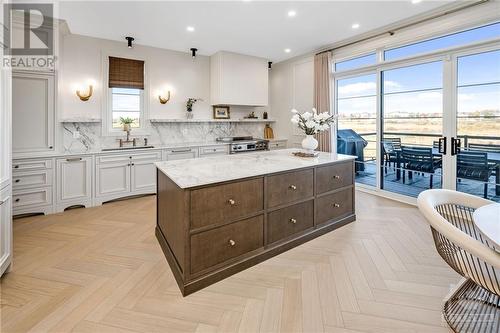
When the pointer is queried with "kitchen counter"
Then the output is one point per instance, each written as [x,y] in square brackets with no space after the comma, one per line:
[219,215]
[50,154]
[216,169]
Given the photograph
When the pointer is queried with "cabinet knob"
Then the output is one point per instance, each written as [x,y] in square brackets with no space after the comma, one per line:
[336,205]
[16,166]
[132,164]
[232,242]
[17,180]
[336,177]
[292,187]
[293,221]
[17,200]
[231,202]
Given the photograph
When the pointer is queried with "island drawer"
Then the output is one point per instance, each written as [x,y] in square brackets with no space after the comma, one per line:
[288,221]
[334,206]
[225,203]
[289,187]
[332,177]
[215,246]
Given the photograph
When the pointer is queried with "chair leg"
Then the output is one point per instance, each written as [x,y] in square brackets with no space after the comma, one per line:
[404,176]
[485,191]
[432,176]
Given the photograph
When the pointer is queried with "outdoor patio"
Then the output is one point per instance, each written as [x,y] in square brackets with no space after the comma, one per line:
[420,182]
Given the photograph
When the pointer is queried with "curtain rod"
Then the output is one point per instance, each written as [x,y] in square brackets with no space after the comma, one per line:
[392,31]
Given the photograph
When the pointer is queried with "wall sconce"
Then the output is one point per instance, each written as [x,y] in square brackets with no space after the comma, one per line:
[164,100]
[85,97]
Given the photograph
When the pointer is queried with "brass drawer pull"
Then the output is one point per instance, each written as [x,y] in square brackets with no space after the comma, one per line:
[75,159]
[231,202]
[336,205]
[336,177]
[292,187]
[232,242]
[293,221]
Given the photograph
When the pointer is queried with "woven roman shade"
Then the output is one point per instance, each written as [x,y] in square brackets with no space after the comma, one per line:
[126,73]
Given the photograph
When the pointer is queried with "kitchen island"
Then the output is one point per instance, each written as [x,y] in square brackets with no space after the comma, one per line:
[219,215]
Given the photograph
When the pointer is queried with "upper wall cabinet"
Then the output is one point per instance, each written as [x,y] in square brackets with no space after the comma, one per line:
[237,79]
[32,112]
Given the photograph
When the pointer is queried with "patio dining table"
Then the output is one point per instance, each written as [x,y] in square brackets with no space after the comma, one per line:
[492,157]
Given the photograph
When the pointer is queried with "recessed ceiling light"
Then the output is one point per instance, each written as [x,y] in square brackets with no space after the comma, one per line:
[355,26]
[415,1]
[292,13]
[287,50]
[190,28]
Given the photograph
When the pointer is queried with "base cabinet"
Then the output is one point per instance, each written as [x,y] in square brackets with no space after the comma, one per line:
[74,182]
[5,230]
[180,154]
[119,175]
[33,186]
[208,233]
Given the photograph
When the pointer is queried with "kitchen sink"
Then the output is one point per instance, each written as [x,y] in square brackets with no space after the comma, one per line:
[127,148]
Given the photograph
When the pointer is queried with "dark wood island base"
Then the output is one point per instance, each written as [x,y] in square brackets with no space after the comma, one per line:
[210,232]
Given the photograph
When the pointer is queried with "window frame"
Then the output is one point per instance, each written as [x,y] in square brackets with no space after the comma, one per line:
[106,107]
[447,55]
[111,110]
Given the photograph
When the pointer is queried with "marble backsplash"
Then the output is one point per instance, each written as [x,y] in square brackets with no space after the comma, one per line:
[160,134]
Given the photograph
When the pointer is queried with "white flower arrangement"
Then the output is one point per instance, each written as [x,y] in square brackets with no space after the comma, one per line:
[312,122]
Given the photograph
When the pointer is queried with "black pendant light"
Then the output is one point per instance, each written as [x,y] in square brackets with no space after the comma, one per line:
[193,52]
[129,41]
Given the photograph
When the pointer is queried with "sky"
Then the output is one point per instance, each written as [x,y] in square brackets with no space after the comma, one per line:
[418,89]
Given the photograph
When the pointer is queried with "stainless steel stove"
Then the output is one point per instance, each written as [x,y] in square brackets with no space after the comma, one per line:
[241,144]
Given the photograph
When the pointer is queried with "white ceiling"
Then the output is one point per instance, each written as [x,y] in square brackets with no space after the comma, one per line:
[260,28]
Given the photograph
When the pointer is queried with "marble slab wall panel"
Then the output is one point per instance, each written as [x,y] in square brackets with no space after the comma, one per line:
[159,134]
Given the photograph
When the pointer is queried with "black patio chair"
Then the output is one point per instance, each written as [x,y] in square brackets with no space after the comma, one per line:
[390,154]
[484,147]
[419,159]
[474,165]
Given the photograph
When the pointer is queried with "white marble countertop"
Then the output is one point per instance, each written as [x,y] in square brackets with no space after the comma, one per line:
[122,151]
[210,170]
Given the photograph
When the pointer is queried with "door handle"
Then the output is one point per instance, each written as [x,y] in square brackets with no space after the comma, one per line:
[442,145]
[455,146]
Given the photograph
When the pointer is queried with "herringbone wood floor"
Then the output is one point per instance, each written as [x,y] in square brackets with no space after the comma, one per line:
[101,270]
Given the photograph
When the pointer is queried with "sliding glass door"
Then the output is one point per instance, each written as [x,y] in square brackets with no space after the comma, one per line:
[478,123]
[412,123]
[423,115]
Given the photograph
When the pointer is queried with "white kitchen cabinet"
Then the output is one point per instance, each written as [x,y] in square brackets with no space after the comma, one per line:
[113,178]
[32,186]
[237,79]
[122,175]
[143,176]
[214,150]
[5,126]
[33,96]
[74,182]
[5,230]
[277,144]
[180,153]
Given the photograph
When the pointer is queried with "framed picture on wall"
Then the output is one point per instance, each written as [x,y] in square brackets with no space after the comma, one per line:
[221,112]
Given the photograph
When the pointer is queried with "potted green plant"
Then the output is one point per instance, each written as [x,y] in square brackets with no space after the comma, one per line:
[189,106]
[126,121]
